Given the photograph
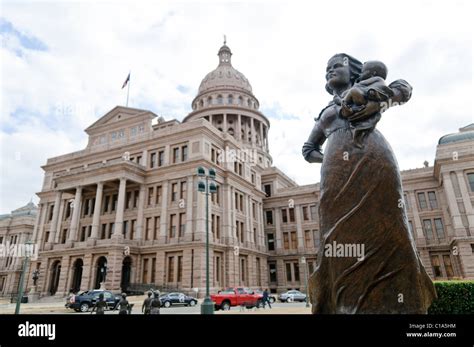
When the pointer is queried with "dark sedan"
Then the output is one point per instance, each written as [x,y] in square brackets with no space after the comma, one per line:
[86,300]
[170,299]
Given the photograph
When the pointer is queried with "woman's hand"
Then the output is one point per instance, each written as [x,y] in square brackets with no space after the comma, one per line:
[311,153]
[370,109]
[315,157]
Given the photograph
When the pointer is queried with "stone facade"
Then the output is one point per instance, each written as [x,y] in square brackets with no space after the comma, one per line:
[126,209]
[16,228]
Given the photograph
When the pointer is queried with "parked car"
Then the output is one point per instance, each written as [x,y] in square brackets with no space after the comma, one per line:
[229,297]
[292,295]
[86,300]
[170,299]
[271,297]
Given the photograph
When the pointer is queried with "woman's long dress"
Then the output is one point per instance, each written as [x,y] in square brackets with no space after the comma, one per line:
[361,203]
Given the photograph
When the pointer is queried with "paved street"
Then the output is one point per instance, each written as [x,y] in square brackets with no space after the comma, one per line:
[57,307]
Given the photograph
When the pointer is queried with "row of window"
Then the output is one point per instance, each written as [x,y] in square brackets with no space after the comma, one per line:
[308,212]
[292,271]
[228,99]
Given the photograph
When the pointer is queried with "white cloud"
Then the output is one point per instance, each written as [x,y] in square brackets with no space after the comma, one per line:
[49,97]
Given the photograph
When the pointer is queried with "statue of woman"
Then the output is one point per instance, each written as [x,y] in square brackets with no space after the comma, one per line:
[361,203]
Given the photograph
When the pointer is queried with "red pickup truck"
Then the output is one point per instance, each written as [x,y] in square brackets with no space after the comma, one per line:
[235,297]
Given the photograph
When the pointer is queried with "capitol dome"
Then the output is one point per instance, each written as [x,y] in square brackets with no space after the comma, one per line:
[225,76]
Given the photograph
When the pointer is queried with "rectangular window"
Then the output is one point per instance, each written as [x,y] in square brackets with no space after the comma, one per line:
[182,191]
[242,237]
[114,202]
[147,229]
[135,198]
[284,215]
[182,224]
[433,201]
[286,241]
[436,266]
[314,212]
[288,272]
[307,239]
[422,201]
[267,189]
[156,228]
[269,217]
[439,228]
[271,241]
[180,268]
[145,270]
[153,270]
[161,158]
[152,160]
[158,195]
[175,155]
[448,266]
[294,240]
[273,272]
[305,213]
[150,196]
[292,215]
[218,227]
[184,153]
[296,270]
[470,179]
[428,228]
[172,232]
[170,269]
[174,191]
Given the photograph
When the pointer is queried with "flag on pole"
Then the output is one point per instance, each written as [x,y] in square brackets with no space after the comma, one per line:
[126,81]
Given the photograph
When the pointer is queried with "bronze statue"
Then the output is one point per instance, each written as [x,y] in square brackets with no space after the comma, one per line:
[361,200]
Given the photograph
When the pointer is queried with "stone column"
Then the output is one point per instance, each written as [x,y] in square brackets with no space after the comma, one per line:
[40,235]
[458,226]
[252,131]
[467,200]
[118,231]
[262,141]
[37,222]
[97,210]
[248,220]
[75,216]
[141,206]
[224,123]
[299,227]
[164,212]
[239,127]
[60,221]
[278,232]
[189,208]
[266,138]
[54,221]
[261,229]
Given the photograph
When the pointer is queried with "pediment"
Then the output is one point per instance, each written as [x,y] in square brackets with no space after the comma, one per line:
[119,114]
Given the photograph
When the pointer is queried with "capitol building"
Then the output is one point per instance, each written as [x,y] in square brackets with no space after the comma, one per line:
[125,212]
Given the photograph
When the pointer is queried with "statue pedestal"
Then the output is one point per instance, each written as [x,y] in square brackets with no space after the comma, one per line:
[33,295]
[102,286]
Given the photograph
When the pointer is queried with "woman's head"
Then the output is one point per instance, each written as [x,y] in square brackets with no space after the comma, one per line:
[341,72]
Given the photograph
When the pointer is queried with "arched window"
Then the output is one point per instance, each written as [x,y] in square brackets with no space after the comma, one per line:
[241,100]
[249,103]
[209,101]
[231,131]
[220,101]
[201,103]
[230,100]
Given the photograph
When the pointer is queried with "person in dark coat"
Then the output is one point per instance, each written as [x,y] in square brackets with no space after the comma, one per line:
[265,299]
[146,307]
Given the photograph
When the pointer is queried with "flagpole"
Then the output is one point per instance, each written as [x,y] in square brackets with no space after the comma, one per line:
[128,87]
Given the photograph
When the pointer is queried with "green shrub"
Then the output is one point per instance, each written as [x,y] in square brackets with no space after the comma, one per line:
[454,297]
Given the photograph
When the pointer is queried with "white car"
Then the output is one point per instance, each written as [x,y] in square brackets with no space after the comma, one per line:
[291,296]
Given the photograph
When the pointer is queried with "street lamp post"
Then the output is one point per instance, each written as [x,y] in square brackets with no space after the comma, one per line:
[303,261]
[207,307]
[22,279]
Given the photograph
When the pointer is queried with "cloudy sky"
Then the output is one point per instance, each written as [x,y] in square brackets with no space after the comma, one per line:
[63,65]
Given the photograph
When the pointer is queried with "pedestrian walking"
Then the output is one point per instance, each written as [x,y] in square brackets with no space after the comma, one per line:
[146,307]
[265,299]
